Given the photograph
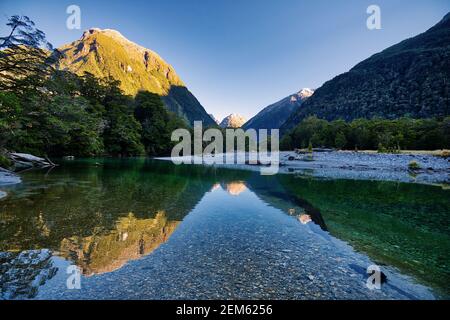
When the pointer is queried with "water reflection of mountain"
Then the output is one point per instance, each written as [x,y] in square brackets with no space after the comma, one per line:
[272,192]
[86,205]
[399,224]
[102,213]
[82,210]
[234,188]
[131,239]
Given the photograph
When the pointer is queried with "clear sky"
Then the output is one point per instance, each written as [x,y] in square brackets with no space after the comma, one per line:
[240,56]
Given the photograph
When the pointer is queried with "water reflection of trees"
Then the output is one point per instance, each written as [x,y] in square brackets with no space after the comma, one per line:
[102,213]
[271,191]
[83,211]
[88,200]
[399,224]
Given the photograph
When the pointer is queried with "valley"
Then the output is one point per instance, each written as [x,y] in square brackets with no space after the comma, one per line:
[117,183]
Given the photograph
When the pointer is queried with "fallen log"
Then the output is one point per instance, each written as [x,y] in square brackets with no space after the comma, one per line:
[49,161]
[27,160]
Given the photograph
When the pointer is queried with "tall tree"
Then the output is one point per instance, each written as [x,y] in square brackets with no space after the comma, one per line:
[157,123]
[25,55]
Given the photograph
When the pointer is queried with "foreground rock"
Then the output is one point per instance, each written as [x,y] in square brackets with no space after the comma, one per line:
[7,178]
[22,273]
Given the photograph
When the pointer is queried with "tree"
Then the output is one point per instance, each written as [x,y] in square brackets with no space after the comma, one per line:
[375,134]
[25,59]
[10,115]
[122,135]
[71,129]
[157,123]
[340,140]
[286,143]
[55,112]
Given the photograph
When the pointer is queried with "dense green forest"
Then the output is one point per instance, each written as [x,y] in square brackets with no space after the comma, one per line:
[374,134]
[45,111]
[409,79]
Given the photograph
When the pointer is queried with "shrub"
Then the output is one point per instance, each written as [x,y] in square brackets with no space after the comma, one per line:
[445,154]
[414,165]
[381,148]
[5,162]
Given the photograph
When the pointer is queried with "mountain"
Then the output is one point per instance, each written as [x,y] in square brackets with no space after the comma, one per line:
[411,78]
[233,121]
[214,118]
[273,116]
[108,53]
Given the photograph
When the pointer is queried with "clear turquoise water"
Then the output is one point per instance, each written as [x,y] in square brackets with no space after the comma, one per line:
[148,229]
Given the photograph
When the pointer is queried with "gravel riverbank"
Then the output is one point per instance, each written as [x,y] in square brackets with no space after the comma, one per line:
[359,165]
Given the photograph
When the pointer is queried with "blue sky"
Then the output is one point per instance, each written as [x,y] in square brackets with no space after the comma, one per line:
[240,56]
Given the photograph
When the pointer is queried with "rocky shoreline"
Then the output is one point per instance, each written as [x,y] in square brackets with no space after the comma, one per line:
[23,273]
[369,166]
[20,162]
[331,164]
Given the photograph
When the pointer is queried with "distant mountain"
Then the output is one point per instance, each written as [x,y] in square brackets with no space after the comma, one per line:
[214,118]
[108,53]
[411,78]
[233,121]
[273,116]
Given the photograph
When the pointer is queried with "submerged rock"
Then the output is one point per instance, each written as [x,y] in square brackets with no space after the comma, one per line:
[22,273]
[6,178]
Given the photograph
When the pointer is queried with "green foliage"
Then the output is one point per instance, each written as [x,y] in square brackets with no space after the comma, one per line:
[85,116]
[74,131]
[381,148]
[49,112]
[157,124]
[340,141]
[10,112]
[5,162]
[122,133]
[408,79]
[286,142]
[414,165]
[374,134]
[25,58]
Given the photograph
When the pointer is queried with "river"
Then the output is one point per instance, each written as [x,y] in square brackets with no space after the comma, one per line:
[147,229]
